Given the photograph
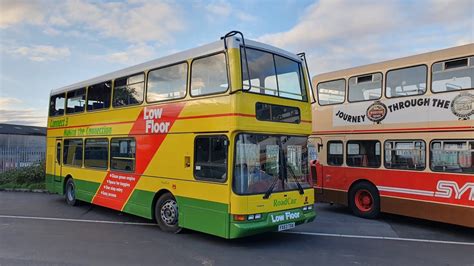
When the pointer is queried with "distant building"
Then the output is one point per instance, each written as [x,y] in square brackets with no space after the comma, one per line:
[21,146]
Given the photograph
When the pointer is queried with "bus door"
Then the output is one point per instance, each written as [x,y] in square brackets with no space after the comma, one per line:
[209,212]
[57,166]
[333,170]
[315,163]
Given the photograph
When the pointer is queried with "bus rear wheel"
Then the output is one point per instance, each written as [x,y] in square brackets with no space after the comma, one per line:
[364,200]
[166,213]
[70,193]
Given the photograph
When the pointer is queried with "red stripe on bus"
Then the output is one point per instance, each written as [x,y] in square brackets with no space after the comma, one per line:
[117,186]
[93,125]
[179,118]
[214,115]
[393,130]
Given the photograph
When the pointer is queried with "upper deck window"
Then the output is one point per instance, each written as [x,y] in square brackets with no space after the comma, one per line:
[365,88]
[76,100]
[56,105]
[209,75]
[408,81]
[167,83]
[98,96]
[453,75]
[129,90]
[272,74]
[332,92]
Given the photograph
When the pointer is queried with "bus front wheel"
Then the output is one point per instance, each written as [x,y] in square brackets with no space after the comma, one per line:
[364,200]
[70,193]
[166,213]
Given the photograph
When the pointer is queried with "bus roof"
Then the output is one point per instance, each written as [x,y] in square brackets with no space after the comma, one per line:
[217,46]
[438,55]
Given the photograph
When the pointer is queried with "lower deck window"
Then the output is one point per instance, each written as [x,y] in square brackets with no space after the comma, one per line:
[363,153]
[96,153]
[210,153]
[122,154]
[335,153]
[405,154]
[73,152]
[454,156]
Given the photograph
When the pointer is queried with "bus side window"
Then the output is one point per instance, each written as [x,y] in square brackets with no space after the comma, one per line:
[96,152]
[331,92]
[98,96]
[405,154]
[209,75]
[76,100]
[407,81]
[72,154]
[335,153]
[453,75]
[122,154]
[363,153]
[129,90]
[56,104]
[210,157]
[455,156]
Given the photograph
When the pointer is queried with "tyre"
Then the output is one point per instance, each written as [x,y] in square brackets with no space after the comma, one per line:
[166,213]
[364,200]
[70,193]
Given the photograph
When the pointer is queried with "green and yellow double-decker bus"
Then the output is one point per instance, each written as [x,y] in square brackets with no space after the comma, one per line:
[213,139]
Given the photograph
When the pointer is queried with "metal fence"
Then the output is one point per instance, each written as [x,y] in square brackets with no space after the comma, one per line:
[11,158]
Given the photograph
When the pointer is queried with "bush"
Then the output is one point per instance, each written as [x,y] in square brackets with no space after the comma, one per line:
[30,177]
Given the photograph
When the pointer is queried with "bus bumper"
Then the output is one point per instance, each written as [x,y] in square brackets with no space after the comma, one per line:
[270,222]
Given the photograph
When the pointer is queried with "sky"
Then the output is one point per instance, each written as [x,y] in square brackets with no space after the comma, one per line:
[46,44]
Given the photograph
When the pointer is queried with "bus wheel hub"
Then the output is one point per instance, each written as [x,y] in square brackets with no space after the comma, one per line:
[363,200]
[169,212]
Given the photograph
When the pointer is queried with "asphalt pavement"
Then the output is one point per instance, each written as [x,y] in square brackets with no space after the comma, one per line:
[41,229]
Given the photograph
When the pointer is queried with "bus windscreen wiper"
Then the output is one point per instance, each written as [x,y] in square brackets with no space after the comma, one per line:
[270,189]
[300,188]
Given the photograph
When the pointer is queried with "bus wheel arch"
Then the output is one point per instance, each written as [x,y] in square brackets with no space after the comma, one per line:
[364,199]
[165,211]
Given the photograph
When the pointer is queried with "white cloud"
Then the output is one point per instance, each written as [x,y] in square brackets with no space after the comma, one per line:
[245,17]
[28,117]
[132,55]
[134,22]
[40,53]
[219,8]
[20,11]
[13,112]
[222,9]
[338,34]
[8,102]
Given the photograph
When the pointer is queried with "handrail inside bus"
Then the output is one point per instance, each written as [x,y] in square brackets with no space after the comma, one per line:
[303,56]
[233,33]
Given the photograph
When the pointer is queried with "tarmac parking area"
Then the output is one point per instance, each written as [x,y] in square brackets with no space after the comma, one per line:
[41,229]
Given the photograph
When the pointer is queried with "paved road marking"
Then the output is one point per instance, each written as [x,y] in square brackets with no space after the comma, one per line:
[287,232]
[73,220]
[382,238]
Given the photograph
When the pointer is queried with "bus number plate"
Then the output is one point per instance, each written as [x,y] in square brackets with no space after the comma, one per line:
[283,227]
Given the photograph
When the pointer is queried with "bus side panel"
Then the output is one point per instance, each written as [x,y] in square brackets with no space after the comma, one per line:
[85,189]
[140,203]
[204,216]
[445,213]
[87,181]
